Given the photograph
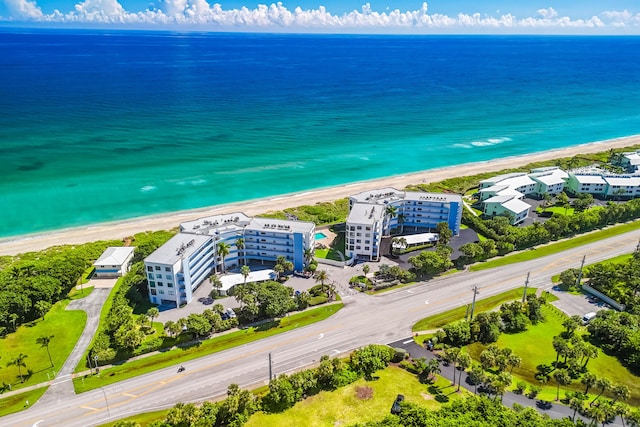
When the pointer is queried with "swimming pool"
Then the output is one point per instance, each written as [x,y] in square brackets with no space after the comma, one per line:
[320,236]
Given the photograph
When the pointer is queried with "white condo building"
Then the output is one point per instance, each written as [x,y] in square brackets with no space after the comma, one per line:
[368,222]
[179,266]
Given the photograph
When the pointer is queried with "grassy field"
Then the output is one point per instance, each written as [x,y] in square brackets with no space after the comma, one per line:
[18,402]
[143,419]
[176,356]
[487,304]
[535,347]
[557,210]
[65,326]
[343,407]
[554,248]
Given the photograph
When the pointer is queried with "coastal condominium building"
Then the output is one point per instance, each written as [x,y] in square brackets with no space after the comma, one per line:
[373,214]
[194,253]
[603,184]
[503,194]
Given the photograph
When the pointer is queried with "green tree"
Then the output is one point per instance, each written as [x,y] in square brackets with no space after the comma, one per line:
[42,307]
[603,384]
[577,403]
[514,361]
[19,361]
[477,376]
[245,271]
[216,285]
[278,269]
[198,325]
[365,270]
[562,378]
[444,233]
[240,246]
[588,380]
[432,369]
[620,392]
[12,318]
[390,212]
[182,415]
[464,361]
[223,250]
[451,355]
[44,342]
[321,276]
[152,313]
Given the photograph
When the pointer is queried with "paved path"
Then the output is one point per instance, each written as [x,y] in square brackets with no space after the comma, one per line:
[61,388]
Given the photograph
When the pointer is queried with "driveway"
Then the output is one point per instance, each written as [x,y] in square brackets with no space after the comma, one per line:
[572,304]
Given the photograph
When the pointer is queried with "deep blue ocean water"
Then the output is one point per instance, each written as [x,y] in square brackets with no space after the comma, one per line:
[105,125]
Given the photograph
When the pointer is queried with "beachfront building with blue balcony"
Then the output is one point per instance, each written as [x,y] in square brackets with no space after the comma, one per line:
[374,214]
[193,255]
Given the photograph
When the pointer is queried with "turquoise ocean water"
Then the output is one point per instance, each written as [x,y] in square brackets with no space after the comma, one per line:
[101,126]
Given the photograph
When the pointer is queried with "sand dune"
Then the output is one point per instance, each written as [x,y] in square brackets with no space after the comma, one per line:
[121,229]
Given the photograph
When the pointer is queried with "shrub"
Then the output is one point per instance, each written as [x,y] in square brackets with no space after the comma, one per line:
[521,386]
[320,299]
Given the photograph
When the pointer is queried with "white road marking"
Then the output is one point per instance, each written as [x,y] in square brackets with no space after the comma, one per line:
[410,291]
[36,423]
[321,336]
[407,341]
[336,351]
[426,301]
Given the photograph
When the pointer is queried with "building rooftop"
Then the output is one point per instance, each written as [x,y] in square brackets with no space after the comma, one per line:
[435,197]
[182,245]
[378,196]
[516,205]
[283,225]
[219,224]
[499,178]
[364,213]
[589,179]
[549,178]
[631,181]
[114,255]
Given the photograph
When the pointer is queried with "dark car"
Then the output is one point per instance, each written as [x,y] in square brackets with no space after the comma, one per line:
[396,408]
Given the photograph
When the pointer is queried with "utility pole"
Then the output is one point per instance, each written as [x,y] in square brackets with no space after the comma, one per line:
[270,368]
[473,303]
[526,284]
[580,272]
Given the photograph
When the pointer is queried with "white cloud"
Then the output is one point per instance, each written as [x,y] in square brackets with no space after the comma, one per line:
[276,17]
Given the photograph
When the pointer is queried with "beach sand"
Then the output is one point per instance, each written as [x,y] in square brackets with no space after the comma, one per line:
[120,229]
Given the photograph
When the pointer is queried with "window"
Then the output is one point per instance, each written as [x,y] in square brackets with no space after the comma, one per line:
[158,276]
[367,241]
[153,292]
[366,248]
[169,284]
[157,268]
[160,283]
[167,269]
[161,292]
[167,276]
[150,276]
[368,228]
[171,293]
[152,284]
[149,268]
[359,227]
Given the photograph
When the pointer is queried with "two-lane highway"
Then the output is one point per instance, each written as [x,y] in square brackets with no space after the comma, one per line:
[364,320]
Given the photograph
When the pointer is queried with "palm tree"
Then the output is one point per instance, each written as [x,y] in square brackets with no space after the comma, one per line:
[389,213]
[451,355]
[603,384]
[561,376]
[577,403]
[401,219]
[432,369]
[168,326]
[620,392]
[308,255]
[240,246]
[321,276]
[19,362]
[278,269]
[12,318]
[42,308]
[216,285]
[477,376]
[245,271]
[223,250]
[588,381]
[622,410]
[365,270]
[152,313]
[464,361]
[514,361]
[44,342]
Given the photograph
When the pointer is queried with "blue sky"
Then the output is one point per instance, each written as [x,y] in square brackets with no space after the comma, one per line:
[373,16]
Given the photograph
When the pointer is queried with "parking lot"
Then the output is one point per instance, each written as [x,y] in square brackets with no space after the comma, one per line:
[572,304]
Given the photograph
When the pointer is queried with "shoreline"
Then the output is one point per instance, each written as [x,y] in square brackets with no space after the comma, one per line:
[117,230]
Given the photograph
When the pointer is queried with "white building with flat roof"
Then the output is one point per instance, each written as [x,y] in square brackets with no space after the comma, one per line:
[114,262]
[369,220]
[247,240]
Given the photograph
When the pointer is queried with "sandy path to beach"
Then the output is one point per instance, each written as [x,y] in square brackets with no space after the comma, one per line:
[121,229]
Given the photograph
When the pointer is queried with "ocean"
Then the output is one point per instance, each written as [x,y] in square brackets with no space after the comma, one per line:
[107,125]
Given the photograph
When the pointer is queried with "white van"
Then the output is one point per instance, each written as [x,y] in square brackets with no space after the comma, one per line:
[587,317]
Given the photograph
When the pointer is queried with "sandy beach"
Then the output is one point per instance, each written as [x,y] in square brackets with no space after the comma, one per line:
[121,229]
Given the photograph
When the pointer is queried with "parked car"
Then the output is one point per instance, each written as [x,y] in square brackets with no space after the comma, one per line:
[396,408]
[228,314]
[587,317]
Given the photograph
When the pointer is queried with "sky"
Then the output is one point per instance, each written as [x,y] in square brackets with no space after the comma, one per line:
[335,16]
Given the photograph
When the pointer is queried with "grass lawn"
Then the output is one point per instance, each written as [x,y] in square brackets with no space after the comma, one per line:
[65,326]
[176,356]
[558,210]
[332,251]
[487,304]
[343,407]
[143,419]
[557,247]
[17,402]
[535,347]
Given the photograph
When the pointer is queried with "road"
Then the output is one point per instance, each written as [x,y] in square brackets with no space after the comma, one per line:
[364,319]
